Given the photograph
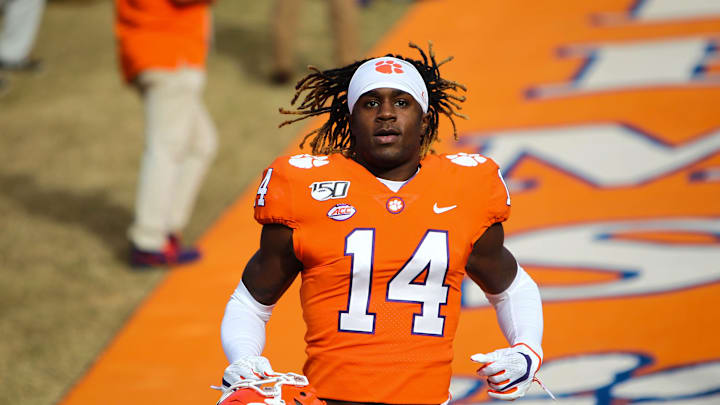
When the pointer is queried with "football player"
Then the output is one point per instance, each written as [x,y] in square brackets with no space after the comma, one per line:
[382,233]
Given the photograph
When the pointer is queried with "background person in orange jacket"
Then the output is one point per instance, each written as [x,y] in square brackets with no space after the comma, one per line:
[162,46]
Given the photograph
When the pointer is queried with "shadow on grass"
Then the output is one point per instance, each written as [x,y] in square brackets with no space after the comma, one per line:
[249,48]
[92,210]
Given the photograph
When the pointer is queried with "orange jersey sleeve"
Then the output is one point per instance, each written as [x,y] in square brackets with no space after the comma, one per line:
[274,200]
[486,187]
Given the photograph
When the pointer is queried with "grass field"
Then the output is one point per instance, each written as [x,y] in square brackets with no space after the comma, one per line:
[70,145]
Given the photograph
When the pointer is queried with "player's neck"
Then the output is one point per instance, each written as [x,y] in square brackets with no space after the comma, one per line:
[398,173]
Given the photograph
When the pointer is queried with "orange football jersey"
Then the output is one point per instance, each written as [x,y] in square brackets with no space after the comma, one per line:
[382,270]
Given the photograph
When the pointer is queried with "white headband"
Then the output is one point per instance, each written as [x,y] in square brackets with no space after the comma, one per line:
[387,72]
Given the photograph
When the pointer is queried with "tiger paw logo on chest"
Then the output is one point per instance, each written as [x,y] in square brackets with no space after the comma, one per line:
[395,205]
[326,190]
[341,212]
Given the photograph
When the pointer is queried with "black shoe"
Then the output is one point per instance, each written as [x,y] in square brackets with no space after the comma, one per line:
[24,66]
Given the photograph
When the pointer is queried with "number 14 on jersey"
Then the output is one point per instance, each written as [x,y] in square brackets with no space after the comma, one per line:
[431,254]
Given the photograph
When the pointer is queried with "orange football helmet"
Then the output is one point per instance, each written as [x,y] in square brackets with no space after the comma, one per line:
[279,389]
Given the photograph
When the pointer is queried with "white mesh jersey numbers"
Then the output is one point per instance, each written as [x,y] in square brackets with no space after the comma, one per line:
[263,189]
[360,245]
[431,256]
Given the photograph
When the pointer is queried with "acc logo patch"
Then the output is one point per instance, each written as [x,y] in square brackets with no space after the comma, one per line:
[306,161]
[467,159]
[326,190]
[341,212]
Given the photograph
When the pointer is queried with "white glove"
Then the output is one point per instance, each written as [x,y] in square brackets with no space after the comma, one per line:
[509,371]
[247,368]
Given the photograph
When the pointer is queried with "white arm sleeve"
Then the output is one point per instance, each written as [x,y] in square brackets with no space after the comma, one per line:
[243,326]
[519,311]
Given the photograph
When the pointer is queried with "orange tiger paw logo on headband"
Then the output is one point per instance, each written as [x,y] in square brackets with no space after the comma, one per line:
[388,67]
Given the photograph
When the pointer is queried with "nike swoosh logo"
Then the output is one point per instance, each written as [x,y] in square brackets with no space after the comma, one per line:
[524,376]
[440,210]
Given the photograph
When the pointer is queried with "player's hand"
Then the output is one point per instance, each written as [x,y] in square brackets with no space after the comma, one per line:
[509,371]
[247,368]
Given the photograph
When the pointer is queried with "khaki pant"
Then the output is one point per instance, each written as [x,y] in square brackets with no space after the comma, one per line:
[180,143]
[20,25]
[343,18]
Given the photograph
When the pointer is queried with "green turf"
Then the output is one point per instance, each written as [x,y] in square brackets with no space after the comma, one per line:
[70,145]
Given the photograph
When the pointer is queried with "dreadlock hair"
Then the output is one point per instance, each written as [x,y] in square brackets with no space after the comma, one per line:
[326,93]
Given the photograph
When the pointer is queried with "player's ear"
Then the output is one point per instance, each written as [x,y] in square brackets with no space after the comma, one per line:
[425,123]
[350,123]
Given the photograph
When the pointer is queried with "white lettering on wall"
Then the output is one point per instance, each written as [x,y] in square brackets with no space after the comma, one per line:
[605,155]
[634,65]
[602,379]
[641,267]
